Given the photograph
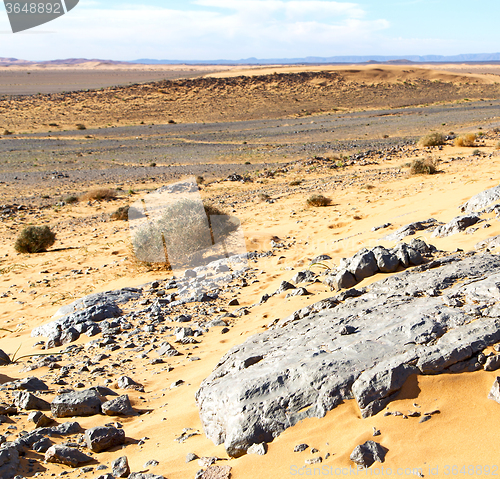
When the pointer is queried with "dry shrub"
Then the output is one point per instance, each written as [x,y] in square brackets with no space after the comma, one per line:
[150,241]
[318,200]
[34,239]
[121,214]
[295,182]
[71,199]
[432,139]
[200,180]
[423,167]
[468,139]
[80,126]
[497,146]
[263,196]
[99,194]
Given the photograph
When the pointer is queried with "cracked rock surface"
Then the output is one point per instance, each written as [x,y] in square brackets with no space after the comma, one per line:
[426,320]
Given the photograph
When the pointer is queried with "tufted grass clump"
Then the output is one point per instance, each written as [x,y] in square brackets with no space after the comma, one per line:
[318,200]
[433,139]
[121,214]
[423,167]
[34,239]
[467,139]
[99,194]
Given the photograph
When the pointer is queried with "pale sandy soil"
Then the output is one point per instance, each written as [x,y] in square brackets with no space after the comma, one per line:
[463,434]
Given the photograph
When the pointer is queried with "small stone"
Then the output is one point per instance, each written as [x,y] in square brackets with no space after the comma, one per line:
[300,448]
[492,363]
[314,460]
[233,302]
[207,461]
[124,382]
[120,467]
[217,472]
[259,449]
[425,418]
[151,463]
[376,432]
[191,457]
[119,406]
[40,419]
[366,454]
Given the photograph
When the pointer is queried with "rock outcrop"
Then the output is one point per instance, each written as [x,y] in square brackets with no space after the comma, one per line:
[437,317]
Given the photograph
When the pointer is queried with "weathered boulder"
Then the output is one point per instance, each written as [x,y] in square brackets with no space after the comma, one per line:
[28,401]
[76,403]
[9,461]
[362,265]
[366,454]
[387,261]
[303,366]
[481,200]
[119,406]
[304,276]
[120,467]
[125,382]
[492,363]
[68,456]
[217,472]
[456,225]
[100,439]
[341,279]
[39,419]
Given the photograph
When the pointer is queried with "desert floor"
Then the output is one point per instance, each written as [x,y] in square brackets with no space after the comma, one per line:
[38,170]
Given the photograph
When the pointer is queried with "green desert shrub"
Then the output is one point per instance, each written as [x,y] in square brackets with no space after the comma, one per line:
[71,199]
[432,139]
[318,200]
[182,226]
[80,126]
[423,167]
[34,239]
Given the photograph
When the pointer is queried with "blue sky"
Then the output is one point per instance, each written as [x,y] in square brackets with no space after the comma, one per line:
[236,29]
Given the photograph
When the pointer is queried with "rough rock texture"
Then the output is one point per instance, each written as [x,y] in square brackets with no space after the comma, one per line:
[411,229]
[421,321]
[495,391]
[77,403]
[4,358]
[217,472]
[9,461]
[139,475]
[456,225]
[28,401]
[120,467]
[366,454]
[119,406]
[100,439]
[481,200]
[66,455]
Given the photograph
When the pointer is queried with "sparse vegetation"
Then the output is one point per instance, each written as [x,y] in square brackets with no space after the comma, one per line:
[99,194]
[121,214]
[152,164]
[200,180]
[467,139]
[182,228]
[71,199]
[34,239]
[295,182]
[318,200]
[7,132]
[423,167]
[432,139]
[497,146]
[476,152]
[263,196]
[80,126]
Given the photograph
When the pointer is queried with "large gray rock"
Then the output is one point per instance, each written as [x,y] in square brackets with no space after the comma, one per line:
[28,401]
[119,406]
[456,225]
[76,403]
[303,366]
[387,261]
[9,461]
[366,454]
[481,200]
[68,456]
[66,328]
[362,265]
[341,279]
[100,439]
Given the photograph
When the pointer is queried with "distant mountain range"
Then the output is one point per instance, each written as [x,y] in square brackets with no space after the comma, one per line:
[473,57]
